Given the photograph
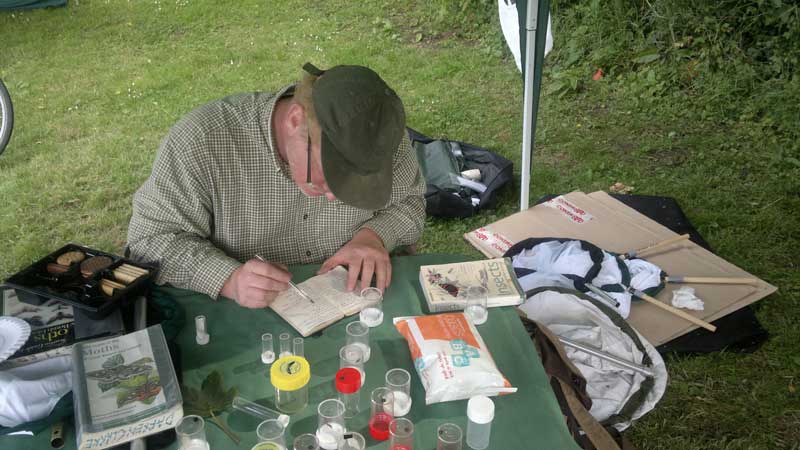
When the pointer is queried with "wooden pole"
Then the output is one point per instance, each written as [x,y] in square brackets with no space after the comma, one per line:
[671,241]
[682,314]
[712,280]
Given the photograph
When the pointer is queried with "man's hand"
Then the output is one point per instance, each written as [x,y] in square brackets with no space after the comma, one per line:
[255,284]
[365,255]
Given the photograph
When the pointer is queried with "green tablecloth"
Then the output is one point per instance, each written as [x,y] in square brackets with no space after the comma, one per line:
[529,419]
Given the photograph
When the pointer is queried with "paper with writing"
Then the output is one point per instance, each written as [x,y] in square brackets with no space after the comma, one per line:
[331,303]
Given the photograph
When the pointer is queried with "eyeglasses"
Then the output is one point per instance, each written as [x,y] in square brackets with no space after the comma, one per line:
[310,183]
[308,166]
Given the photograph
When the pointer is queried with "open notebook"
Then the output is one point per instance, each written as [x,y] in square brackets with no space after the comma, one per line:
[331,302]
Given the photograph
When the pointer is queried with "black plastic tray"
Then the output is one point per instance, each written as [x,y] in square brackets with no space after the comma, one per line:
[35,284]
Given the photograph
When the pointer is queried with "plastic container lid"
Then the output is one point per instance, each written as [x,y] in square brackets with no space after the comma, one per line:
[290,373]
[283,419]
[348,380]
[480,409]
[267,446]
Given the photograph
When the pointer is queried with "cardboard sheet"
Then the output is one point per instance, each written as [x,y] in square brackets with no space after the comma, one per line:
[611,225]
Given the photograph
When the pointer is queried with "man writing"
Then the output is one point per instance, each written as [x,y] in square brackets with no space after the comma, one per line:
[320,171]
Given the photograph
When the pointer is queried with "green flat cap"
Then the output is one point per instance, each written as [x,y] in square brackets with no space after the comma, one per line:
[362,121]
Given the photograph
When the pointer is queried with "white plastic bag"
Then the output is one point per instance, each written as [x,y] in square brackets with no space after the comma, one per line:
[451,358]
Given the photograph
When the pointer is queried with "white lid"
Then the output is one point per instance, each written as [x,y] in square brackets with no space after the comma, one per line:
[480,409]
[283,419]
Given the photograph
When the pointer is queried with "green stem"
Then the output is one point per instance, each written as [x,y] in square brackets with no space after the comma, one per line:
[219,423]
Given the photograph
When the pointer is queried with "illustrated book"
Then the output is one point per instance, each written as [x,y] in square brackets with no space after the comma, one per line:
[445,285]
[124,388]
[55,326]
[330,302]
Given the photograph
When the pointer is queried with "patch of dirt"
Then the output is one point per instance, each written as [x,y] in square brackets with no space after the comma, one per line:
[550,157]
[429,41]
[625,147]
[178,32]
[407,27]
[599,110]
[669,157]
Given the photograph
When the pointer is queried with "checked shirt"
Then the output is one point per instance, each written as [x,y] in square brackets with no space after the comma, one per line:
[219,193]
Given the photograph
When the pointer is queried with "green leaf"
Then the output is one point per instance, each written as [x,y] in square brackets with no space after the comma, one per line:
[791,160]
[214,391]
[418,37]
[194,403]
[646,56]
[211,398]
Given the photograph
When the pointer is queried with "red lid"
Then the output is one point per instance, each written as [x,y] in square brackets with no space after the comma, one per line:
[348,380]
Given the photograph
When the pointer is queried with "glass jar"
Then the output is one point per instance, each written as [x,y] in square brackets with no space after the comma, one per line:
[290,376]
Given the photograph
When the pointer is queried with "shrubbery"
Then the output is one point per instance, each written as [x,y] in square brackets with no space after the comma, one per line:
[735,60]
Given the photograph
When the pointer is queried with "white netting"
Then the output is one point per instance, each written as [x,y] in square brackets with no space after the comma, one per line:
[610,386]
[644,275]
[552,260]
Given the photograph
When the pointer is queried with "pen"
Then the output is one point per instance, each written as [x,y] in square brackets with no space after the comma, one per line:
[299,291]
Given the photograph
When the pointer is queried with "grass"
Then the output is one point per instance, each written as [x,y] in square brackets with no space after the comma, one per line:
[96,86]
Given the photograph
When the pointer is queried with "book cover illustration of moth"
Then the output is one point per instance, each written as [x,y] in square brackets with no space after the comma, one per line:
[453,286]
[134,382]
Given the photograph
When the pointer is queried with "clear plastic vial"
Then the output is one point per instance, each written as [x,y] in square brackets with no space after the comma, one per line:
[306,441]
[448,437]
[348,385]
[480,412]
[201,331]
[399,382]
[259,411]
[353,441]
[297,347]
[358,334]
[401,434]
[191,433]
[352,356]
[381,407]
[271,434]
[330,423]
[285,342]
[476,308]
[267,350]
[372,315]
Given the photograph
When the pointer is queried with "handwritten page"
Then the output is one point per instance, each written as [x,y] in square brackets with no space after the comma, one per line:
[332,287]
[331,302]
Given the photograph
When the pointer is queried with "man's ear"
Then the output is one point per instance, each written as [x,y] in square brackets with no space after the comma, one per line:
[296,118]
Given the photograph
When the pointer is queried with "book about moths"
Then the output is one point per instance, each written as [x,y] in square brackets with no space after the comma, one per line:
[127,389]
[445,285]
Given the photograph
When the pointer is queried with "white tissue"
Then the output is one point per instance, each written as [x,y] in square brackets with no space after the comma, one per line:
[685,298]
[31,392]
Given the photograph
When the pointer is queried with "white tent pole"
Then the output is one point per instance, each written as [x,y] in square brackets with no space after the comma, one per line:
[527,112]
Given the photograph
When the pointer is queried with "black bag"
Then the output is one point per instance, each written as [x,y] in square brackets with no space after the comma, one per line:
[442,162]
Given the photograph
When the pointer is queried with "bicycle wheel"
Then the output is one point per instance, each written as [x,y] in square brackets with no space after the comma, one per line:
[6,117]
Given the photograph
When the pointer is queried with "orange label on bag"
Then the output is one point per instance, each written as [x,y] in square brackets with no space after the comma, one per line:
[451,358]
[446,327]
